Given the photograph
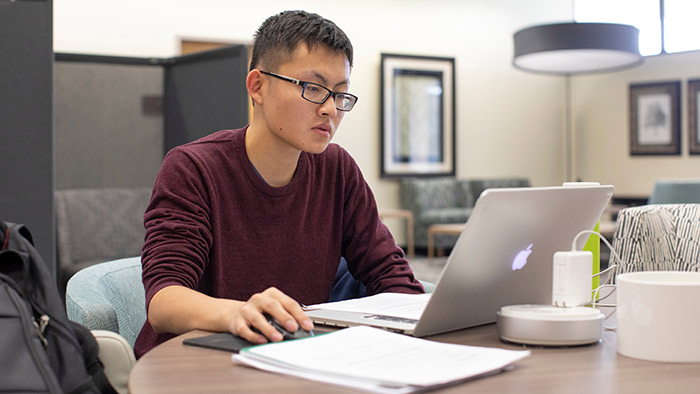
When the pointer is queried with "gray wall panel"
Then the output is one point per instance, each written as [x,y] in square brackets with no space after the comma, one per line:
[26,127]
[204,93]
[103,136]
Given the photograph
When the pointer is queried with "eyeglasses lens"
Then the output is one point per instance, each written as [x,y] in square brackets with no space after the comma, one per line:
[319,94]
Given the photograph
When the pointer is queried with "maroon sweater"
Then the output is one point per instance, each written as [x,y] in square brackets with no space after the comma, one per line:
[214,225]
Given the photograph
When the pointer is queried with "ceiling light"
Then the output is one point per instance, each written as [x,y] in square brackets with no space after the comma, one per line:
[574,48]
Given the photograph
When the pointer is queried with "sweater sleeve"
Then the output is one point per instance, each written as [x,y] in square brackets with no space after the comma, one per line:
[368,246]
[178,228]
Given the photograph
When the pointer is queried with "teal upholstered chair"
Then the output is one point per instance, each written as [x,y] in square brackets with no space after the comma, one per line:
[109,299]
[109,296]
[675,192]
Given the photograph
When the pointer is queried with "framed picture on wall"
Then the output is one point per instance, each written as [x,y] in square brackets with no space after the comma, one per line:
[655,118]
[417,116]
[693,111]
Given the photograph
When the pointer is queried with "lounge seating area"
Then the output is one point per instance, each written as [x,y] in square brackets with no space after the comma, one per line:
[445,200]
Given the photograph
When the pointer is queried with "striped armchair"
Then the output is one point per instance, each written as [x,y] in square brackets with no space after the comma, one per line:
[663,237]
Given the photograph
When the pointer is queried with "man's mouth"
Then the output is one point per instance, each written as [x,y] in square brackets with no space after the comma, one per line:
[323,128]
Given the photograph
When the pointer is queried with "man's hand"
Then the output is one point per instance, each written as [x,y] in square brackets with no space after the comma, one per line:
[178,309]
[278,305]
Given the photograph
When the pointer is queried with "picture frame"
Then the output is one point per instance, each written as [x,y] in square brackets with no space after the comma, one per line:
[693,111]
[655,118]
[417,116]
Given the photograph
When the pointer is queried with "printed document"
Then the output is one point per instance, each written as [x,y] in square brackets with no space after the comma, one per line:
[409,306]
[378,361]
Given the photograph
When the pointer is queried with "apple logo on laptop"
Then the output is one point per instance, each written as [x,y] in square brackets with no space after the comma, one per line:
[521,258]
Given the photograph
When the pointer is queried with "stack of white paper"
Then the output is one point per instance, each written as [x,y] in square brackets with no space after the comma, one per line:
[409,306]
[378,361]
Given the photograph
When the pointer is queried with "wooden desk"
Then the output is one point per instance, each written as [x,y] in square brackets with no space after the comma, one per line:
[176,368]
[444,228]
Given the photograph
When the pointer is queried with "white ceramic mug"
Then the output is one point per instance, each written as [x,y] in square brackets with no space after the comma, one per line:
[658,316]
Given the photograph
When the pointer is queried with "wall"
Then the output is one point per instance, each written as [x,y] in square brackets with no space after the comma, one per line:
[601,108]
[509,123]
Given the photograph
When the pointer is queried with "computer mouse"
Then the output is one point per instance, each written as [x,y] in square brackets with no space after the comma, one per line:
[286,335]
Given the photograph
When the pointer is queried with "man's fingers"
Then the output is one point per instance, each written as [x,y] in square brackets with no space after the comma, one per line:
[288,312]
[298,315]
[254,320]
[245,332]
[252,325]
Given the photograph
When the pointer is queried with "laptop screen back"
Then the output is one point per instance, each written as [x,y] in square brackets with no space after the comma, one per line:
[504,255]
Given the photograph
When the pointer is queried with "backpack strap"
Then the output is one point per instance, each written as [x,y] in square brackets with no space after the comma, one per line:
[5,231]
[15,255]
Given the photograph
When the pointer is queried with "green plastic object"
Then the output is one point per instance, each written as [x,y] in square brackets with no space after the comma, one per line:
[593,245]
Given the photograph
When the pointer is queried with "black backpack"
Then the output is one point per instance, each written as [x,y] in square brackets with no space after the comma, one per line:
[41,351]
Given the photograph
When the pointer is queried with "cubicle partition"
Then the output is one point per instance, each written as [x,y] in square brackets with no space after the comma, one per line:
[205,92]
[115,117]
[26,120]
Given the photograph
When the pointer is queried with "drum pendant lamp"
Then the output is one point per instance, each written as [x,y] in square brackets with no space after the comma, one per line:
[576,48]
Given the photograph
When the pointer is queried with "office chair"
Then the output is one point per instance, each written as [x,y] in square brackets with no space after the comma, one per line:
[664,237]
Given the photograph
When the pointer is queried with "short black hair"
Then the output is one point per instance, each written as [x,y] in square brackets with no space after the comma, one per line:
[280,35]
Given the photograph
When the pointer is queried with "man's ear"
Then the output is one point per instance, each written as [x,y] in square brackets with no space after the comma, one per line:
[253,84]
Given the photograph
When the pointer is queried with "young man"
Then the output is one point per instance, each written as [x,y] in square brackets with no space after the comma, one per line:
[255,220]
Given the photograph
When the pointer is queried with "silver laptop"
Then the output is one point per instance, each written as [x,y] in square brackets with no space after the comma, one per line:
[502,257]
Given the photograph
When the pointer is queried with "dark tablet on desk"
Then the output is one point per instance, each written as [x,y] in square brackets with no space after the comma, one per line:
[220,341]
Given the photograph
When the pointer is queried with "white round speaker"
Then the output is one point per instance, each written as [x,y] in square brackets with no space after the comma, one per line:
[548,325]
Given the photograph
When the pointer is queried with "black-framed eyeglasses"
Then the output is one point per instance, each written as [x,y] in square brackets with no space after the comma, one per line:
[318,94]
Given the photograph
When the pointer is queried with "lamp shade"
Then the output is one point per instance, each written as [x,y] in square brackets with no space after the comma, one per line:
[574,48]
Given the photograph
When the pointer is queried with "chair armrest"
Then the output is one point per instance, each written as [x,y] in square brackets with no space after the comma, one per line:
[117,357]
[95,316]
[87,305]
